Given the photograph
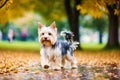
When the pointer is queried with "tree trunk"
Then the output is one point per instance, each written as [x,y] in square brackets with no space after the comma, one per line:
[113,28]
[73,18]
[100,36]
[100,30]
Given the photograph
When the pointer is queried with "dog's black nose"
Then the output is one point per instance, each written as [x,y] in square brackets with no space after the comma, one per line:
[45,38]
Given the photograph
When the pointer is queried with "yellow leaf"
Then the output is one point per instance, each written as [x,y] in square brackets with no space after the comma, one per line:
[26,69]
[11,1]
[116,12]
[110,74]
[37,72]
[64,79]
[78,7]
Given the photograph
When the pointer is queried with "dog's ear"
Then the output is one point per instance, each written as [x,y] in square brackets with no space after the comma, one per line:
[53,25]
[40,25]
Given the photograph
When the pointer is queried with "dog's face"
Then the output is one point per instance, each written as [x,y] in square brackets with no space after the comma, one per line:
[47,35]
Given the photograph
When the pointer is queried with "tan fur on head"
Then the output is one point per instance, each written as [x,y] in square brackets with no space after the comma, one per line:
[47,32]
[46,43]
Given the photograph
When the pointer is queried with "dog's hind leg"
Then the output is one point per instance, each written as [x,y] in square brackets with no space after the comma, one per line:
[72,60]
[62,63]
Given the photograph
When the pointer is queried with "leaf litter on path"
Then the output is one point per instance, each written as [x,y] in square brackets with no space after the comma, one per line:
[26,66]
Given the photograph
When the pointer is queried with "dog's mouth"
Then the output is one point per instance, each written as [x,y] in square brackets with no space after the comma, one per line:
[46,43]
[44,39]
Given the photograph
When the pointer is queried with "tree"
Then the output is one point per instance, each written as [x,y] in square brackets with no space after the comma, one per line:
[12,9]
[100,24]
[113,26]
[113,9]
[73,17]
[97,24]
[109,7]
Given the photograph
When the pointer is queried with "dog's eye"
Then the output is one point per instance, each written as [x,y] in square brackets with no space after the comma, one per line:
[42,33]
[49,33]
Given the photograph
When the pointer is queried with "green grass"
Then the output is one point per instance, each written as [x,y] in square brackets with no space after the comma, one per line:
[35,46]
[21,46]
[92,46]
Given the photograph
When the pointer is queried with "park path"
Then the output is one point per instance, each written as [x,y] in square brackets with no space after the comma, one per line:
[20,65]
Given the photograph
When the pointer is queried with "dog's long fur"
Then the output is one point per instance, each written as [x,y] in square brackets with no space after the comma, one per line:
[54,53]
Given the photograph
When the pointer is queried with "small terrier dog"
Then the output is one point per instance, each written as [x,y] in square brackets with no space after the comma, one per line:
[54,53]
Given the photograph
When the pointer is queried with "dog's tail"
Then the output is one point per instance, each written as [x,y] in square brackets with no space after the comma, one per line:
[68,35]
[74,45]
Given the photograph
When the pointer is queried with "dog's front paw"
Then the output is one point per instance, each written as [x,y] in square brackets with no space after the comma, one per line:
[46,66]
[56,69]
[62,68]
[74,67]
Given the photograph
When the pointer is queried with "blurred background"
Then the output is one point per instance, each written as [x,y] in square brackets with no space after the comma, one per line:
[95,23]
